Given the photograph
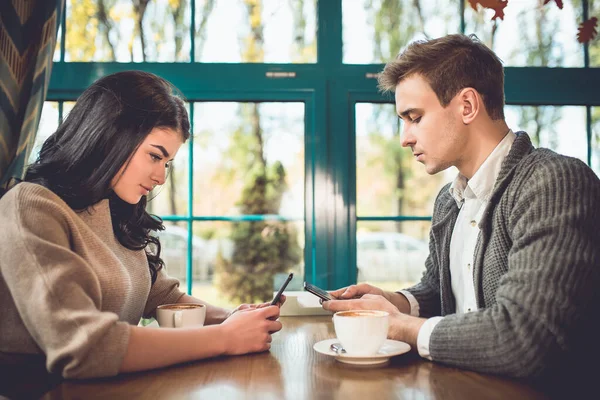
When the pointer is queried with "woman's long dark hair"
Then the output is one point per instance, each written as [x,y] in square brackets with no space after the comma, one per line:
[106,126]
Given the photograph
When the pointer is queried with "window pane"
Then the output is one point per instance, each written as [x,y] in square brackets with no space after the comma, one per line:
[249,160]
[594,43]
[174,247]
[233,142]
[56,56]
[531,34]
[596,139]
[562,129]
[390,254]
[49,122]
[247,260]
[388,179]
[374,31]
[271,31]
[48,125]
[67,107]
[126,31]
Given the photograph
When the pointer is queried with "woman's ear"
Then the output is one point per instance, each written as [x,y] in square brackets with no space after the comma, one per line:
[470,104]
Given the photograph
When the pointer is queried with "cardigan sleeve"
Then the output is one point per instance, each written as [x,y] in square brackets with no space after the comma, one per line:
[544,303]
[57,293]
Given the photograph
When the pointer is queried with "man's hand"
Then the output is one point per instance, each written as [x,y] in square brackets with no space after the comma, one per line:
[402,327]
[356,291]
[366,302]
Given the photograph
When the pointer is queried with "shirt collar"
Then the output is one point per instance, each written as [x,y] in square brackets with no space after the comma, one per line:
[481,185]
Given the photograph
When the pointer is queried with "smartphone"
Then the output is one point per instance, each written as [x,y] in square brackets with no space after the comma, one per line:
[281,289]
[320,293]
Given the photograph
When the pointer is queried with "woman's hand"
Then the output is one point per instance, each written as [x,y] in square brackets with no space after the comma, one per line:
[279,304]
[244,306]
[249,330]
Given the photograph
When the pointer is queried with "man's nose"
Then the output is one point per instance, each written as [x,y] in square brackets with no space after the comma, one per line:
[407,139]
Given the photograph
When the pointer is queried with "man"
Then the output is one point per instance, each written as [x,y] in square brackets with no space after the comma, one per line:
[513,273]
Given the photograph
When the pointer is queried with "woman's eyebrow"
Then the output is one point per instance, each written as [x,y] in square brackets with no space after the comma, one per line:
[164,151]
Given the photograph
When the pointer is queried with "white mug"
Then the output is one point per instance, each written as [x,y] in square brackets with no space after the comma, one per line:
[180,315]
[361,332]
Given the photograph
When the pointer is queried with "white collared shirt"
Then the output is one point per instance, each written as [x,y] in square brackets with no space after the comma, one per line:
[472,198]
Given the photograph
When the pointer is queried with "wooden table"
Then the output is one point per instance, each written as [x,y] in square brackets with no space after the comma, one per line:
[293,370]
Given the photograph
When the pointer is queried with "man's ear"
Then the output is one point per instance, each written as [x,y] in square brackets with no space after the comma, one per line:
[470,104]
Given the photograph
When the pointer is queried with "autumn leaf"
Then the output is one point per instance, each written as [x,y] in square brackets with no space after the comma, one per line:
[559,3]
[587,30]
[496,5]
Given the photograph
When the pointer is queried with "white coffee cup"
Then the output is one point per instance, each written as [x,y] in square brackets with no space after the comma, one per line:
[361,332]
[180,315]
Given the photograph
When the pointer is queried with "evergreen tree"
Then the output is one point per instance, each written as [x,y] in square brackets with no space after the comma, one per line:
[261,248]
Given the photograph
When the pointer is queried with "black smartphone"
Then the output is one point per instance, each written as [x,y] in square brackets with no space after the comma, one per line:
[281,289]
[320,293]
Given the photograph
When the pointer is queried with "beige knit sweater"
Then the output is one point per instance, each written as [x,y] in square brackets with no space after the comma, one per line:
[68,289]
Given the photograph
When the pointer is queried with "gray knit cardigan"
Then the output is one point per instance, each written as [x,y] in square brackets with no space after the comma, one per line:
[536,271]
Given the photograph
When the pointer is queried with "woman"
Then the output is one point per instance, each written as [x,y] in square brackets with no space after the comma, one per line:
[79,267]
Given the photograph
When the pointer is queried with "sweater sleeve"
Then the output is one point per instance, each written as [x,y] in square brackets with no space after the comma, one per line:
[543,303]
[164,291]
[56,292]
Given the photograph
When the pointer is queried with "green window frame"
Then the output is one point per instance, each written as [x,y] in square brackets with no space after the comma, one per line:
[329,89]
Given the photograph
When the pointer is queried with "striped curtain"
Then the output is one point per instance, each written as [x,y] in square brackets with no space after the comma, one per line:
[28,31]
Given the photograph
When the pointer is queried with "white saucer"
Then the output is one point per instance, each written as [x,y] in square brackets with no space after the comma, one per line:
[389,349]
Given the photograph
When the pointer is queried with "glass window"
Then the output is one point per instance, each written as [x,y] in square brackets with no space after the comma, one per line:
[374,31]
[245,259]
[249,160]
[48,125]
[389,181]
[374,244]
[562,129]
[128,31]
[67,107]
[531,34]
[174,246]
[233,141]
[49,122]
[596,139]
[406,245]
[399,261]
[56,56]
[271,31]
[594,7]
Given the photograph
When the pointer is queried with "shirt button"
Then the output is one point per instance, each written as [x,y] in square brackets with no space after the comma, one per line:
[469,267]
[473,222]
[468,309]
